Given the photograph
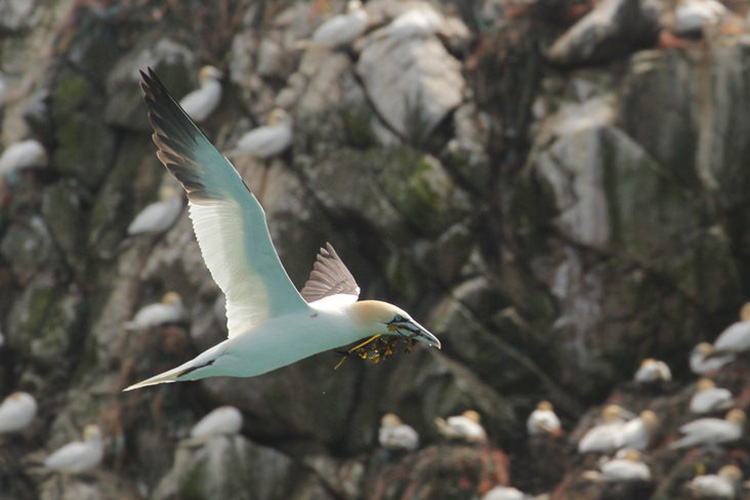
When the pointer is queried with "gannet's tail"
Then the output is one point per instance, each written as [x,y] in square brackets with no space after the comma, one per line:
[186,371]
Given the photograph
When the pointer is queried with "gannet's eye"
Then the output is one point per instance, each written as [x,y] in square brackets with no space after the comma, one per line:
[398,319]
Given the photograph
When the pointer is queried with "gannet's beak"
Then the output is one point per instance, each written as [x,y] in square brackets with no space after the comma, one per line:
[413,330]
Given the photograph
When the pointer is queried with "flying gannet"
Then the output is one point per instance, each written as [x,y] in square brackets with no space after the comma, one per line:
[724,484]
[203,101]
[270,323]
[394,435]
[710,398]
[543,420]
[464,427]
[16,412]
[78,456]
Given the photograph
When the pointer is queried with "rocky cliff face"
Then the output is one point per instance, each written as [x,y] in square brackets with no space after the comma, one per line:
[554,205]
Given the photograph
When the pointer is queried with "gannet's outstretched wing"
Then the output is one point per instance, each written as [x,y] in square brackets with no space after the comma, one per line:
[229,223]
[330,277]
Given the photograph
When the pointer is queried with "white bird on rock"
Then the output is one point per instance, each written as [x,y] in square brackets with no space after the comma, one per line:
[703,361]
[637,432]
[17,412]
[78,456]
[224,420]
[710,398]
[200,103]
[159,216]
[464,427]
[504,493]
[543,421]
[736,338]
[652,371]
[22,155]
[628,468]
[270,323]
[603,438]
[169,310]
[724,484]
[711,431]
[268,140]
[422,21]
[340,30]
[394,435]
[691,16]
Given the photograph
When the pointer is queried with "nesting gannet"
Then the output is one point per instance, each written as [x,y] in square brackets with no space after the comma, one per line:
[169,310]
[417,22]
[702,359]
[200,103]
[21,155]
[603,437]
[340,30]
[159,216]
[268,140]
[270,323]
[710,431]
[395,435]
[736,338]
[78,456]
[221,421]
[724,484]
[628,468]
[637,432]
[710,398]
[504,493]
[543,420]
[652,370]
[16,412]
[691,16]
[465,427]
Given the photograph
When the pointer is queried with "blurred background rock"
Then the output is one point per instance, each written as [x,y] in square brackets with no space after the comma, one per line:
[557,189]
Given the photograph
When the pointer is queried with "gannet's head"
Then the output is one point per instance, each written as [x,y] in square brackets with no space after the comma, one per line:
[736,416]
[703,348]
[209,73]
[472,415]
[613,413]
[353,6]
[649,419]
[278,116]
[745,312]
[632,455]
[705,384]
[390,420]
[545,406]
[382,318]
[730,472]
[92,433]
[171,298]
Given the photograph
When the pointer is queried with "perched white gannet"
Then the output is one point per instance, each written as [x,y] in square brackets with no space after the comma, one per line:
[395,435]
[652,370]
[736,338]
[543,420]
[628,468]
[78,456]
[340,30]
[710,431]
[417,22]
[270,323]
[21,155]
[702,361]
[16,412]
[465,427]
[200,103]
[710,398]
[637,432]
[692,15]
[603,437]
[504,493]
[724,484]
[169,310]
[268,140]
[159,216]
[221,421]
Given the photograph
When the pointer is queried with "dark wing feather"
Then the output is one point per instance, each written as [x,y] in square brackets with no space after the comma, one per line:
[329,277]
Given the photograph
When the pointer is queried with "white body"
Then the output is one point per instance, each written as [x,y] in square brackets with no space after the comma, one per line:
[602,438]
[156,217]
[709,400]
[701,362]
[266,141]
[633,434]
[712,486]
[419,22]
[692,16]
[653,370]
[400,437]
[708,431]
[25,154]
[460,427]
[341,30]
[621,469]
[156,314]
[200,103]
[221,421]
[77,457]
[16,412]
[542,422]
[504,493]
[736,338]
